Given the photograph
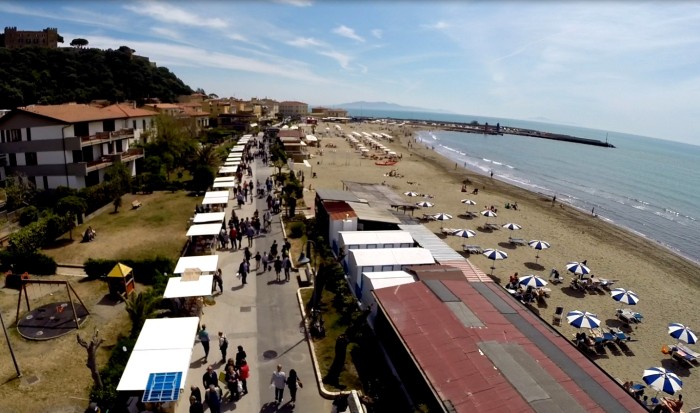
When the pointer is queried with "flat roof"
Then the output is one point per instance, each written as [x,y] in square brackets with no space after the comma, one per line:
[229,184]
[215,194]
[209,217]
[167,333]
[374,237]
[225,179]
[377,195]
[217,200]
[228,169]
[391,256]
[203,229]
[427,239]
[336,195]
[513,361]
[189,288]
[366,212]
[205,263]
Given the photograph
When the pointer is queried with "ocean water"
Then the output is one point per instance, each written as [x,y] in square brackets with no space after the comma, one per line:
[649,186]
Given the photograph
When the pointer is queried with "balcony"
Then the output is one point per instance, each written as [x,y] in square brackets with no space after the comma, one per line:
[106,137]
[108,160]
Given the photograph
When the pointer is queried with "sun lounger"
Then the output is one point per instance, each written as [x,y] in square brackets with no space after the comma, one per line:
[428,217]
[472,249]
[688,351]
[448,231]
[682,357]
[605,283]
[628,316]
[558,314]
[517,241]
[492,226]
[470,214]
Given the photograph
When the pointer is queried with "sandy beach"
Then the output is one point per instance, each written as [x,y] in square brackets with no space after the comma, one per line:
[665,282]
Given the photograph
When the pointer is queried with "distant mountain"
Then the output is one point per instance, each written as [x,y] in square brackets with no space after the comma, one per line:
[384,106]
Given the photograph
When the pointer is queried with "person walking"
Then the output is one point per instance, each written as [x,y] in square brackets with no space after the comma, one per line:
[278,380]
[196,405]
[209,379]
[258,257]
[240,356]
[204,339]
[287,266]
[223,345]
[232,383]
[196,393]
[264,261]
[278,267]
[243,269]
[214,399]
[218,281]
[243,374]
[250,233]
[293,382]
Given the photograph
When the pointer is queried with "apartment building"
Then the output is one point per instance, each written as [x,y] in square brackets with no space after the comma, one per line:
[72,144]
[293,109]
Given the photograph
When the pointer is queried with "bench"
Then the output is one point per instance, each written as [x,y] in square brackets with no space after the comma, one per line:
[136,204]
[305,275]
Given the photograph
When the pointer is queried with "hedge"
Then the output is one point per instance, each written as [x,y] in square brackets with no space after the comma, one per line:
[145,271]
[34,263]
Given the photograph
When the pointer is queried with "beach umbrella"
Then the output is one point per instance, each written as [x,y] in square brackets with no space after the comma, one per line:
[442,216]
[583,319]
[424,204]
[682,333]
[464,233]
[624,296]
[512,226]
[488,213]
[663,380]
[532,281]
[468,202]
[411,193]
[494,255]
[577,268]
[538,245]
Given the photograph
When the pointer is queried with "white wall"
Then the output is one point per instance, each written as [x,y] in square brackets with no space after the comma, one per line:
[45,133]
[52,157]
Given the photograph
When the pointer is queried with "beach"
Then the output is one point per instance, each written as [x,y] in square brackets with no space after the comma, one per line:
[666,283]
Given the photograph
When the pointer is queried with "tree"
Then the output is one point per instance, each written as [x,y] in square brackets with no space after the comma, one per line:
[74,207]
[202,178]
[119,178]
[140,308]
[79,43]
[19,191]
[91,348]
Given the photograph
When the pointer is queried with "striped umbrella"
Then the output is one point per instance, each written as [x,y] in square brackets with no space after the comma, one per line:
[424,204]
[682,333]
[624,296]
[538,245]
[578,268]
[532,281]
[464,233]
[662,380]
[512,226]
[488,213]
[468,202]
[494,255]
[411,193]
[583,319]
[442,216]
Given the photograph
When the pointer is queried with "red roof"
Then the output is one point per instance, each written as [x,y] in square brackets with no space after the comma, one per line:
[338,210]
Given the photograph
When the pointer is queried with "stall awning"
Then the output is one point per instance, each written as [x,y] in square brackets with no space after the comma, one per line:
[238,149]
[232,163]
[209,217]
[167,333]
[228,169]
[225,179]
[178,288]
[205,263]
[204,229]
[214,201]
[229,184]
[215,194]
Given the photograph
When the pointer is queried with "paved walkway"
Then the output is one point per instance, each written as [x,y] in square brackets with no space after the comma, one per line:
[263,317]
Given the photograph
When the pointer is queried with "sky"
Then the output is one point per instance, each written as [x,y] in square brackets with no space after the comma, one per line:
[628,66]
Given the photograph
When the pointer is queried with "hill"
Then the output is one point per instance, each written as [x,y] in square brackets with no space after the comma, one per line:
[52,76]
[383,106]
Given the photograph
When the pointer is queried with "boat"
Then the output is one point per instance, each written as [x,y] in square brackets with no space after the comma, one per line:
[386,163]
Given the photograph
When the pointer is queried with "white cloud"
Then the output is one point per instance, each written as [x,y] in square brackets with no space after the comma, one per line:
[167,33]
[345,31]
[85,18]
[170,14]
[342,59]
[441,25]
[295,3]
[378,33]
[304,42]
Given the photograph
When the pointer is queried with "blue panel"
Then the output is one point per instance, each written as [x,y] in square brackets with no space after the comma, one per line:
[163,387]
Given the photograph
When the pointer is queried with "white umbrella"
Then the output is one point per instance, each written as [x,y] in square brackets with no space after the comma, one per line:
[577,268]
[532,281]
[464,233]
[512,226]
[662,380]
[442,216]
[468,202]
[494,255]
[538,245]
[488,213]
[583,319]
[682,333]
[624,296]
[424,204]
[411,193]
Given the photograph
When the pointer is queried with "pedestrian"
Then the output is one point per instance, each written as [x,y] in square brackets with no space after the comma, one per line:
[223,345]
[240,356]
[273,248]
[250,233]
[239,237]
[196,405]
[258,257]
[293,382]
[243,374]
[264,261]
[209,379]
[278,380]
[218,281]
[554,200]
[287,246]
[204,339]
[196,393]
[232,383]
[243,271]
[247,254]
[278,267]
[214,399]
[287,266]
[233,234]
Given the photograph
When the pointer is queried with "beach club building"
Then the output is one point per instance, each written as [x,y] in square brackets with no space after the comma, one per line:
[361,261]
[72,144]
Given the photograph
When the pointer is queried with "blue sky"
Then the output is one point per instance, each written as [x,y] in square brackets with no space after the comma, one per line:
[627,66]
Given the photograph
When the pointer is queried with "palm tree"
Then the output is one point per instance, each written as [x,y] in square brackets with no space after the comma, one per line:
[140,308]
[206,155]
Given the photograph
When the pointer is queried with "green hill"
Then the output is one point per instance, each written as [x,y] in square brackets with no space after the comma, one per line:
[52,76]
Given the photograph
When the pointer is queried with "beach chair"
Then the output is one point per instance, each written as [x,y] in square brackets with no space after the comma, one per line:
[517,241]
[558,314]
[472,249]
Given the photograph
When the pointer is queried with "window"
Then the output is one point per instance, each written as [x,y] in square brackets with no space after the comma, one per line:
[133,124]
[13,159]
[14,135]
[108,125]
[46,182]
[30,158]
[29,134]
[81,129]
[77,155]
[144,124]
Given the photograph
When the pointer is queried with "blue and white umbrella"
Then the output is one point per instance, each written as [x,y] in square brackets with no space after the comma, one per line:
[494,255]
[488,213]
[442,217]
[624,296]
[663,380]
[468,202]
[582,319]
[512,226]
[424,204]
[682,333]
[532,281]
[578,268]
[464,233]
[411,193]
[539,245]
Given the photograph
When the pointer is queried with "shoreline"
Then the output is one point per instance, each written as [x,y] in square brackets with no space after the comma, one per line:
[608,221]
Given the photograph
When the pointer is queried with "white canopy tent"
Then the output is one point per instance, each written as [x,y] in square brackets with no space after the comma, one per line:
[177,288]
[209,217]
[228,170]
[205,263]
[232,163]
[219,200]
[203,229]
[225,179]
[164,346]
[238,148]
[215,194]
[228,184]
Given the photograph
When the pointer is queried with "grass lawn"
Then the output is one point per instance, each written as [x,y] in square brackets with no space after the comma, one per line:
[158,227]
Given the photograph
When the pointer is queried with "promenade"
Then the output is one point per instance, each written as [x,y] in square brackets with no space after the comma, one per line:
[262,316]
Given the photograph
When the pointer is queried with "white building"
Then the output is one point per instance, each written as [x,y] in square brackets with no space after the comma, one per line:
[386,259]
[352,240]
[377,280]
[71,145]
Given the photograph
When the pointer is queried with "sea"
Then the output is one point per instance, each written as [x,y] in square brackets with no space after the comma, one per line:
[648,186]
